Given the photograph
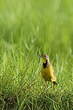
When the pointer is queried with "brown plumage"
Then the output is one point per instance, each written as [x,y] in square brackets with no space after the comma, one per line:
[47,70]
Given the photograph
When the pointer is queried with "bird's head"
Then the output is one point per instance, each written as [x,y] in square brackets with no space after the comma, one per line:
[45,58]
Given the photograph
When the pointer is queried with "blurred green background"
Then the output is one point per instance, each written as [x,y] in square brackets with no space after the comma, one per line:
[41,22]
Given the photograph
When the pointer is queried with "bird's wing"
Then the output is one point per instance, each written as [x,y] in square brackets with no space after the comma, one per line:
[52,73]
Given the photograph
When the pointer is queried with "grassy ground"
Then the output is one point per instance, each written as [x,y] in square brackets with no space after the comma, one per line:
[27,29]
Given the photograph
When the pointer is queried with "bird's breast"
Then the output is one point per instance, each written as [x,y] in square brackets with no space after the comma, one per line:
[46,73]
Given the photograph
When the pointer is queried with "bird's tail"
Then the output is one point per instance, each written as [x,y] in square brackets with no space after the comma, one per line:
[54,83]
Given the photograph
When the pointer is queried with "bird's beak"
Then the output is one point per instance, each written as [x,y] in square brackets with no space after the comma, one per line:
[40,56]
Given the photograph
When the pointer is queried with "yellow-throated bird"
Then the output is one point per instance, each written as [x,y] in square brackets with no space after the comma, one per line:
[47,70]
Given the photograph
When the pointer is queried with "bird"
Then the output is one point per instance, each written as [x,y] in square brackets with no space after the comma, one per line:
[47,70]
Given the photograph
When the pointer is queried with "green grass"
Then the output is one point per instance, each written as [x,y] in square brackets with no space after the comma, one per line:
[27,29]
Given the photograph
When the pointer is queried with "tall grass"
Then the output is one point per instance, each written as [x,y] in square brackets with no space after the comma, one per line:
[27,29]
